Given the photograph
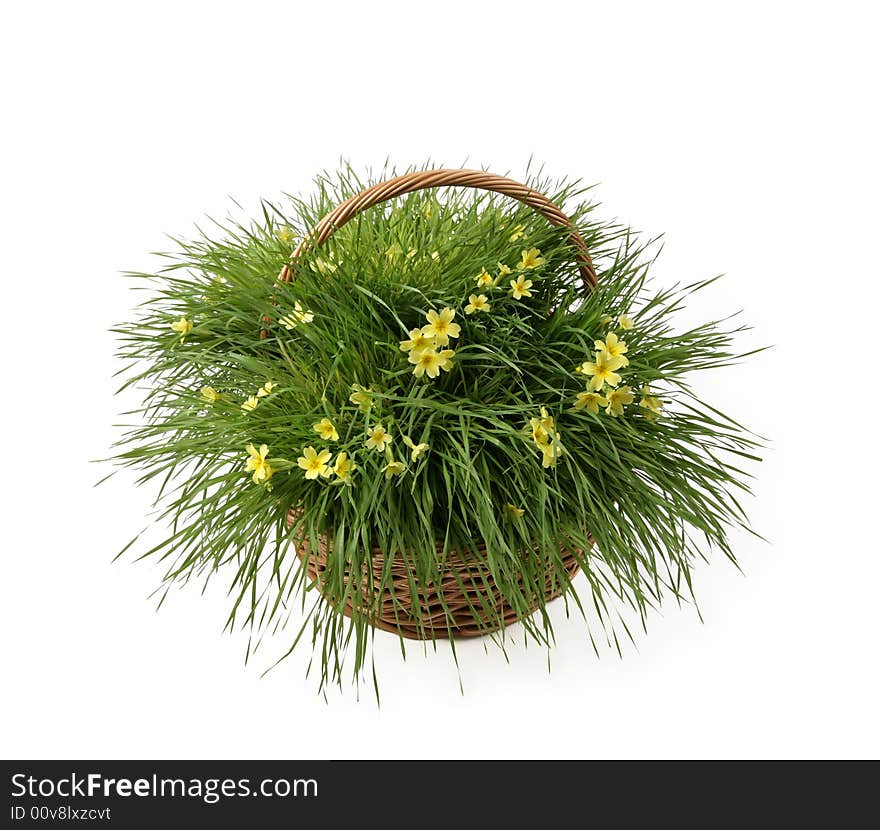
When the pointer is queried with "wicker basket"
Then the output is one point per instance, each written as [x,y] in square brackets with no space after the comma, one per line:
[453,605]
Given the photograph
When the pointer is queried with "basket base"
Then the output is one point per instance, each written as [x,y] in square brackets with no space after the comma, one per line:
[452,607]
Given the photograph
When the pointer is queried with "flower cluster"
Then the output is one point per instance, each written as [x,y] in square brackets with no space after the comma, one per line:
[546,438]
[427,350]
[603,388]
[379,439]
[610,356]
[424,344]
[316,464]
[297,316]
[264,391]
[520,287]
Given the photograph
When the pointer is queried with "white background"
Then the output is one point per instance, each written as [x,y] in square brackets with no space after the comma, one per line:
[746,132]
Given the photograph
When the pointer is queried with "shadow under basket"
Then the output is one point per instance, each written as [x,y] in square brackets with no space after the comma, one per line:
[455,605]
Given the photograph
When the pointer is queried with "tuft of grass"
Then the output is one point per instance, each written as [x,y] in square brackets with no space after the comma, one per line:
[655,493]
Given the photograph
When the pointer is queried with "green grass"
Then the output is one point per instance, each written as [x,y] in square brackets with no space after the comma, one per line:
[656,494]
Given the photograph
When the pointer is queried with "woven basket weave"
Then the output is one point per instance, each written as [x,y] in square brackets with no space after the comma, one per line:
[456,604]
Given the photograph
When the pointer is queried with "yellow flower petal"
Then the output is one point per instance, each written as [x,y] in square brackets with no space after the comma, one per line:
[520,287]
[257,464]
[394,468]
[343,467]
[314,464]
[378,439]
[484,279]
[531,259]
[617,399]
[440,326]
[650,402]
[183,327]
[477,303]
[513,511]
[417,449]
[326,430]
[361,398]
[591,400]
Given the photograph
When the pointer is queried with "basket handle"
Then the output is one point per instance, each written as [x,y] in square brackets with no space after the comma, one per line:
[420,180]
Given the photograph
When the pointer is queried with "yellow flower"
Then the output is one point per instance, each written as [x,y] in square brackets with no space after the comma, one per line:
[429,362]
[326,430]
[546,419]
[379,438]
[302,315]
[361,398]
[324,266]
[624,322]
[285,233]
[617,399]
[539,434]
[484,278]
[531,259]
[591,400]
[428,211]
[477,303]
[394,468]
[440,326]
[210,394]
[503,270]
[602,371]
[298,315]
[343,467]
[314,463]
[250,404]
[518,231]
[393,251]
[417,342]
[417,449]
[605,320]
[546,438]
[520,287]
[266,389]
[543,428]
[256,463]
[613,347]
[650,402]
[435,255]
[513,511]
[550,453]
[183,327]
